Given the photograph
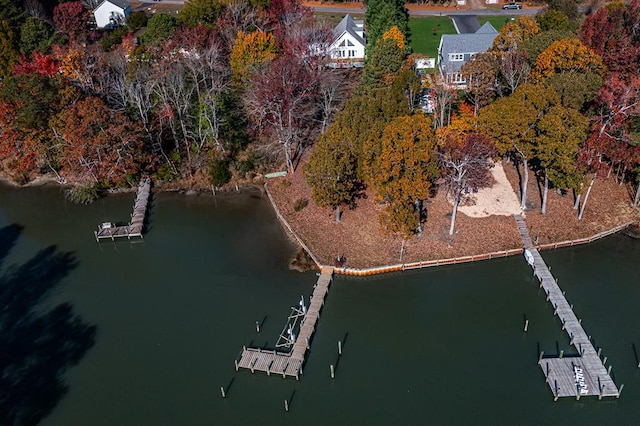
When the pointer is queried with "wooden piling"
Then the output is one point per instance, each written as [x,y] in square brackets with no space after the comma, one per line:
[222,392]
[257,327]
[286,405]
[620,390]
[333,375]
[340,347]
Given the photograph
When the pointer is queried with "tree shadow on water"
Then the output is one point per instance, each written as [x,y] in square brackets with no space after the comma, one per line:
[38,343]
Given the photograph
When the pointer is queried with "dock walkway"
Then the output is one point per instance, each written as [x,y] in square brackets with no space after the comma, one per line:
[136,224]
[290,363]
[570,376]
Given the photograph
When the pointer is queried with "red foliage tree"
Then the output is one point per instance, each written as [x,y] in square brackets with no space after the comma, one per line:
[39,64]
[97,143]
[281,104]
[611,32]
[71,18]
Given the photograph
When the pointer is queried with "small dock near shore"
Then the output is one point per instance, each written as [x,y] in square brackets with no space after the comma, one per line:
[290,363]
[567,376]
[135,226]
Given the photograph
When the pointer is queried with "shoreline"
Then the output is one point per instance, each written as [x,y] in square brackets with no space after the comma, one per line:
[383,269]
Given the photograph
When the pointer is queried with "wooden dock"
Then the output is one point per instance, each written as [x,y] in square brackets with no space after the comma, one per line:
[290,363]
[571,376]
[136,224]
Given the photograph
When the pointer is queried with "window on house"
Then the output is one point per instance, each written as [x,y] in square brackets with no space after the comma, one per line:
[458,78]
[349,43]
[456,56]
[342,44]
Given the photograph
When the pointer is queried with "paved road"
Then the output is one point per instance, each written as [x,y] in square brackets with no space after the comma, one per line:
[466,24]
[344,10]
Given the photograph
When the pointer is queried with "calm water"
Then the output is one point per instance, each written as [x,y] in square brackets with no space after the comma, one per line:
[158,324]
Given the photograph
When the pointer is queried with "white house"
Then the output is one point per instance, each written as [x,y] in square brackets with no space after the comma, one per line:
[111,13]
[347,49]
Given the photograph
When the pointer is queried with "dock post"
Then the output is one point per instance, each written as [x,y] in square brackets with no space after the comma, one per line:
[526,323]
[609,370]
[548,371]
[620,390]
[339,347]
[604,362]
[561,354]
[572,337]
[306,339]
[564,324]
[580,321]
[599,352]
[257,327]
[555,397]
[222,392]
[540,356]
[286,405]
[332,371]
[236,363]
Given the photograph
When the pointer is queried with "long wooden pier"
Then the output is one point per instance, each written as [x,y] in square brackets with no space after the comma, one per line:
[136,224]
[290,363]
[570,376]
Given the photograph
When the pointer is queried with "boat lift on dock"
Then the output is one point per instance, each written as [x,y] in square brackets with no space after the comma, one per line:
[108,230]
[290,363]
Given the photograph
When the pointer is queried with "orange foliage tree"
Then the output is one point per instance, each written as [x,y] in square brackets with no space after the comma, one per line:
[97,143]
[567,55]
[250,52]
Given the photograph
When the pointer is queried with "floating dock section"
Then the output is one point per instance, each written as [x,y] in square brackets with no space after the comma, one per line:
[570,376]
[290,363]
[135,227]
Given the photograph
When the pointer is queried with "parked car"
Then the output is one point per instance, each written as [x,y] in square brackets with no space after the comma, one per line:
[512,6]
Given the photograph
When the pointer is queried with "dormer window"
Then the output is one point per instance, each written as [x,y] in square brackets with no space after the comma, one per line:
[453,57]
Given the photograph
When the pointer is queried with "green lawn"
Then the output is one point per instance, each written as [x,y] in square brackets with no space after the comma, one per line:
[426,32]
[497,21]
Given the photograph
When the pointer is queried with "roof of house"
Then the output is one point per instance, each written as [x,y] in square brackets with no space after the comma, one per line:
[480,41]
[122,4]
[349,25]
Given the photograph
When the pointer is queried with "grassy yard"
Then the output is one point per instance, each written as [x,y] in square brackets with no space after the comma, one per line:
[426,32]
[497,21]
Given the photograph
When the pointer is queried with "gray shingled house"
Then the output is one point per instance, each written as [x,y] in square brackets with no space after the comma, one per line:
[456,49]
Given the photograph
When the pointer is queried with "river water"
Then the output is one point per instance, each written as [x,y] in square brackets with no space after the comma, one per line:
[154,326]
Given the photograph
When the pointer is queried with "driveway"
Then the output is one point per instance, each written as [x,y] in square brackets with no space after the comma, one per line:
[466,24]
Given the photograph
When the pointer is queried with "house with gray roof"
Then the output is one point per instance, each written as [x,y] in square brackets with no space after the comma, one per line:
[111,13]
[455,50]
[349,41]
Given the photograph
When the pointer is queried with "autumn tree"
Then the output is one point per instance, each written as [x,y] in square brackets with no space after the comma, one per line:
[70,18]
[40,64]
[96,143]
[511,123]
[465,162]
[537,44]
[567,55]
[281,103]
[332,172]
[481,73]
[402,170]
[560,132]
[611,32]
[571,69]
[514,33]
[251,51]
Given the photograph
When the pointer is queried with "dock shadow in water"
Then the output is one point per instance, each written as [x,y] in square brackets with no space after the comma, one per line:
[38,343]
